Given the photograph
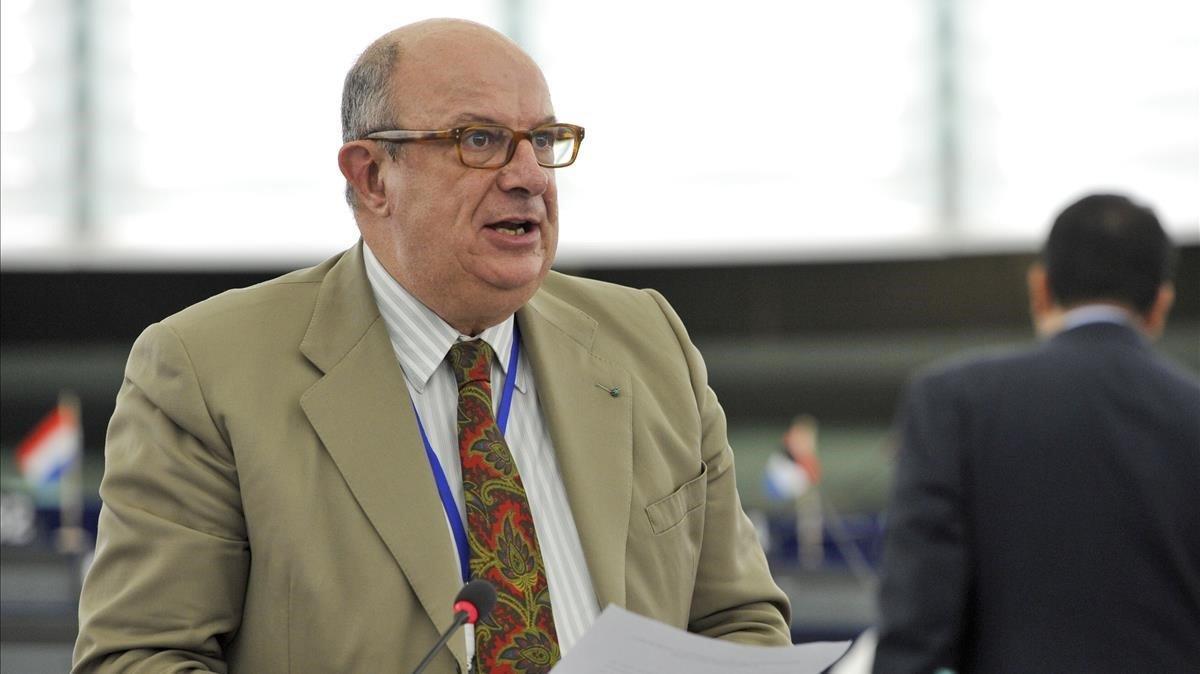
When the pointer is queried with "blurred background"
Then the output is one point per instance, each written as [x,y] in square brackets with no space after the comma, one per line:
[832,195]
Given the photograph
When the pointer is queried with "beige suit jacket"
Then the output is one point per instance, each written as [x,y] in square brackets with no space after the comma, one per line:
[268,506]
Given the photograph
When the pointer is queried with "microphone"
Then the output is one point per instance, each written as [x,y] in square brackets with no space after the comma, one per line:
[473,603]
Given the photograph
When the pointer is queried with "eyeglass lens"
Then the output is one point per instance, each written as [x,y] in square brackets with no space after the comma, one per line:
[489,146]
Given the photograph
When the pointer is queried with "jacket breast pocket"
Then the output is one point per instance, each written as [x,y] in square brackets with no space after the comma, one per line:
[668,512]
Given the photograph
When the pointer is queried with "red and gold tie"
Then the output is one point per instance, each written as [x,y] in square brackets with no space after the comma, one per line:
[518,637]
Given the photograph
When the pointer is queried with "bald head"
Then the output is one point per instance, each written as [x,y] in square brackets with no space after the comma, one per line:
[434,43]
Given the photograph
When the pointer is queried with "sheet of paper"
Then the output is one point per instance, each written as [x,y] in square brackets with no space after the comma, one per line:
[621,642]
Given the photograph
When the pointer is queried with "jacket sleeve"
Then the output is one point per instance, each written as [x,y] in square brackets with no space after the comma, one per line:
[925,578]
[735,597]
[165,590]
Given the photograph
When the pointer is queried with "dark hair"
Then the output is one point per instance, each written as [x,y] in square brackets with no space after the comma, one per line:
[1107,247]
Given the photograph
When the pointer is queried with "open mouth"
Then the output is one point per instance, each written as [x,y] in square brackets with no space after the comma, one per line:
[513,227]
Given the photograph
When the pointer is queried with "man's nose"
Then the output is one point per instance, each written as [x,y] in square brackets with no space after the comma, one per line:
[523,172]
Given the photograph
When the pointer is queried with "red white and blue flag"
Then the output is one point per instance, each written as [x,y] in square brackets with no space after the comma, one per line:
[53,445]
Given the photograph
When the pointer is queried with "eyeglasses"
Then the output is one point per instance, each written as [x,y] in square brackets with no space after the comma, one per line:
[493,146]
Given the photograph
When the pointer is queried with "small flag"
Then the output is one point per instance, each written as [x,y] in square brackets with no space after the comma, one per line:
[55,443]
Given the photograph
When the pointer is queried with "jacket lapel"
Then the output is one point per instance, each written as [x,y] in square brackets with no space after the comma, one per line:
[361,411]
[592,431]
[363,415]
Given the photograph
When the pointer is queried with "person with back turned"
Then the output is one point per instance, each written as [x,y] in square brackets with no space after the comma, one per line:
[1044,515]
[301,475]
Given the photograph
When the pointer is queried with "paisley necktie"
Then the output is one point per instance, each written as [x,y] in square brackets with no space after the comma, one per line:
[518,637]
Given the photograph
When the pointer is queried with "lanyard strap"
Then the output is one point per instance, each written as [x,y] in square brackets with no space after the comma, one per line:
[439,475]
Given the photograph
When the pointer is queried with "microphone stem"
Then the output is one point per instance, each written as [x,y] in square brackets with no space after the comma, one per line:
[469,633]
[459,618]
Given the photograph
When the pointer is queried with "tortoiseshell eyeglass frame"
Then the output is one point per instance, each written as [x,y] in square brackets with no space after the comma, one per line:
[456,135]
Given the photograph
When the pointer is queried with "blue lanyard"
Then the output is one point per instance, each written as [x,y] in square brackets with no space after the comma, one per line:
[439,476]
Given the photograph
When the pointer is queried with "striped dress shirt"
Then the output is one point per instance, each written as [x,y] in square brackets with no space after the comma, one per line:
[421,340]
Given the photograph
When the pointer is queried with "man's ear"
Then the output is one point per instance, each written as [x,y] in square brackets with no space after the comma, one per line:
[1041,302]
[1043,309]
[360,162]
[1155,320]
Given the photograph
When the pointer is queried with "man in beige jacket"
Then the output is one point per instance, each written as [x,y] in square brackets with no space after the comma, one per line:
[279,495]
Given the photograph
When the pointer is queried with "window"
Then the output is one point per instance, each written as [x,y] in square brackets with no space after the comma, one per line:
[796,127]
[1070,96]
[38,134]
[143,132]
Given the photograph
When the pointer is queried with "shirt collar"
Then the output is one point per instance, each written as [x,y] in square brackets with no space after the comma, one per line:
[1095,313]
[419,336]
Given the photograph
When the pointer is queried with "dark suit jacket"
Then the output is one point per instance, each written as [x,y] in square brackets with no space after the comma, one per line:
[1046,514]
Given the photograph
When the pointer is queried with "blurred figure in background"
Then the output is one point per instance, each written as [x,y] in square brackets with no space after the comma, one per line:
[1044,514]
[794,474]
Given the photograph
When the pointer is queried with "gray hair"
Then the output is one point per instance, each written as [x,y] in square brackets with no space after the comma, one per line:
[366,96]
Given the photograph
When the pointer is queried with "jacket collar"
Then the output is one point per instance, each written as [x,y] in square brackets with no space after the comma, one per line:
[592,431]
[361,411]
[1102,331]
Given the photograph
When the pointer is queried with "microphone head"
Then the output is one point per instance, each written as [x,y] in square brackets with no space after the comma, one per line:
[479,595]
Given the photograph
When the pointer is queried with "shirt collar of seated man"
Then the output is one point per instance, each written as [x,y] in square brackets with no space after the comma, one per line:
[472,244]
